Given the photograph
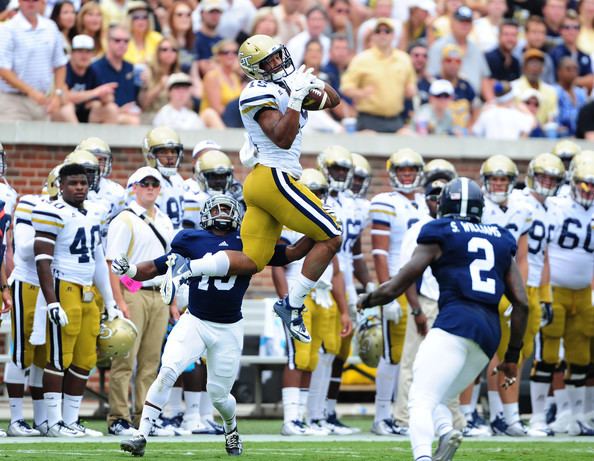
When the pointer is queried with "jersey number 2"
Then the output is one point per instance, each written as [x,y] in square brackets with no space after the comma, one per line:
[486,285]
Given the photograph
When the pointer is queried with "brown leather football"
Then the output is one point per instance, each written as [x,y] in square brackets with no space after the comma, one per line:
[320,100]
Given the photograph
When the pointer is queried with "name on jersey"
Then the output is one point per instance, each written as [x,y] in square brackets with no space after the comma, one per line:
[463,226]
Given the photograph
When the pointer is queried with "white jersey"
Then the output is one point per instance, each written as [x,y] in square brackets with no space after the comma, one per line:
[513,218]
[564,190]
[9,196]
[571,247]
[25,269]
[394,210]
[170,200]
[113,194]
[363,205]
[78,234]
[257,95]
[192,186]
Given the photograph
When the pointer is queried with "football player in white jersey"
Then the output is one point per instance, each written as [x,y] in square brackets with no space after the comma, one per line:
[192,184]
[322,303]
[571,259]
[69,258]
[566,150]
[392,213]
[9,196]
[272,113]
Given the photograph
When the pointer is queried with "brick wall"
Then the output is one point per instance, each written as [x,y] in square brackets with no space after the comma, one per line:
[28,166]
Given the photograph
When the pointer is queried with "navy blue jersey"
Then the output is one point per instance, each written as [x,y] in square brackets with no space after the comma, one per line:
[471,276]
[215,299]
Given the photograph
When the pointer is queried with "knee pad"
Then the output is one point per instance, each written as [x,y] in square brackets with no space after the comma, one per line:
[542,372]
[36,376]
[217,393]
[576,375]
[166,377]
[14,374]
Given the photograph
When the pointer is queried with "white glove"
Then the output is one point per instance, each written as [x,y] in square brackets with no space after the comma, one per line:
[392,311]
[300,84]
[121,266]
[57,315]
[370,287]
[112,312]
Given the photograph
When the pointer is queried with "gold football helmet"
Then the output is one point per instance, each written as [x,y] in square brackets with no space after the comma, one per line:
[405,158]
[565,150]
[2,161]
[582,183]
[370,341]
[116,338]
[257,51]
[543,166]
[214,171]
[52,184]
[100,149]
[336,163]
[315,181]
[439,168]
[89,161]
[498,166]
[583,156]
[361,175]
[159,138]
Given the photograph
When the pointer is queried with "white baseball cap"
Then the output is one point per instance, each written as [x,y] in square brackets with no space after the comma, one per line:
[83,42]
[203,145]
[142,173]
[441,87]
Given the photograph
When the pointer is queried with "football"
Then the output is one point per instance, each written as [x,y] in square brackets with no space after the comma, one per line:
[319,100]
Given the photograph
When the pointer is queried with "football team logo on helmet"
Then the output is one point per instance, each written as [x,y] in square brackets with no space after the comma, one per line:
[461,198]
[221,212]
[401,159]
[116,338]
[257,51]
[498,166]
[370,341]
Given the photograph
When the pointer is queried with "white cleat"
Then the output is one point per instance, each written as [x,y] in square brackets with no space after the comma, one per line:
[388,427]
[61,430]
[85,430]
[318,429]
[579,428]
[331,428]
[295,428]
[516,429]
[539,429]
[561,424]
[20,428]
[2,433]
[42,428]
[447,446]
[192,426]
[158,431]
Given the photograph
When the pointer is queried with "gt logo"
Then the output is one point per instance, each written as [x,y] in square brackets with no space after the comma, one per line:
[244,60]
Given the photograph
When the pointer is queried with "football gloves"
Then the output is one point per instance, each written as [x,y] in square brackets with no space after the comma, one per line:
[121,266]
[112,312]
[392,311]
[57,315]
[546,314]
[300,83]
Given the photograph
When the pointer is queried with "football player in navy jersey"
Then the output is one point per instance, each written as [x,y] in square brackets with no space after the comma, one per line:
[474,266]
[212,325]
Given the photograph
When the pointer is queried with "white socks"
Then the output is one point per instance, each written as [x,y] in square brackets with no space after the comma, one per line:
[148,419]
[16,408]
[215,265]
[291,404]
[192,405]
[71,408]
[299,289]
[577,396]
[589,405]
[175,404]
[476,390]
[495,405]
[466,410]
[318,386]
[538,396]
[385,381]
[511,413]
[563,402]
[53,403]
[303,396]
[206,407]
[39,411]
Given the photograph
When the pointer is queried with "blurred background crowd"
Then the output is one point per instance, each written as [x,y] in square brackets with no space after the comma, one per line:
[499,69]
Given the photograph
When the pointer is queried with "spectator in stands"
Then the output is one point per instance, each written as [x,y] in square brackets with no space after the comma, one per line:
[142,48]
[207,36]
[503,119]
[535,38]
[340,57]
[222,84]
[113,12]
[414,29]
[265,23]
[153,95]
[378,80]
[64,16]
[531,71]
[418,57]
[474,65]
[585,122]
[180,28]
[236,19]
[176,114]
[466,101]
[435,117]
[570,97]
[553,13]
[504,66]
[585,40]
[531,99]
[316,23]
[381,9]
[94,103]
[89,22]
[485,30]
[32,66]
[570,29]
[442,26]
[113,68]
[339,21]
[290,19]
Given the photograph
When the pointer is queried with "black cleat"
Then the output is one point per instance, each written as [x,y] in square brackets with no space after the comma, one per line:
[135,445]
[233,443]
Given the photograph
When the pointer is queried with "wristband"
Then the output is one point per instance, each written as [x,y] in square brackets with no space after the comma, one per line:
[295,104]
[513,354]
[416,312]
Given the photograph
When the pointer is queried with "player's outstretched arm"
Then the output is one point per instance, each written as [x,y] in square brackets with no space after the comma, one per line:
[142,271]
[285,254]
[388,291]
[280,128]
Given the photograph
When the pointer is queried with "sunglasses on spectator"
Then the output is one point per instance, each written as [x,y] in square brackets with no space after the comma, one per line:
[383,30]
[139,17]
[183,13]
[144,184]
[119,40]
[442,95]
[227,52]
[571,27]
[342,10]
[166,49]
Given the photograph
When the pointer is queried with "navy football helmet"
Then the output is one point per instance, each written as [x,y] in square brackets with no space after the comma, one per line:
[461,198]
[221,212]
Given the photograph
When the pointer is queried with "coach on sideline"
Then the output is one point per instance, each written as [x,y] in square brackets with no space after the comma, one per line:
[141,232]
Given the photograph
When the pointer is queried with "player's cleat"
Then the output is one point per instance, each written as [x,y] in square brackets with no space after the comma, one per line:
[20,428]
[292,319]
[551,413]
[135,445]
[192,426]
[2,433]
[61,430]
[295,428]
[447,446]
[175,421]
[85,430]
[498,425]
[42,428]
[388,427]
[516,429]
[233,444]
[318,429]
[331,428]
[539,429]
[121,427]
[333,420]
[479,422]
[471,430]
[178,272]
[561,423]
[578,428]
[160,431]
[213,427]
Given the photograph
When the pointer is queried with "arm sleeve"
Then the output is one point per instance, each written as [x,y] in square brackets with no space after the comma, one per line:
[101,277]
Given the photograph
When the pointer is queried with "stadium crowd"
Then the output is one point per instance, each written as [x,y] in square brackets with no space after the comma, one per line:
[495,69]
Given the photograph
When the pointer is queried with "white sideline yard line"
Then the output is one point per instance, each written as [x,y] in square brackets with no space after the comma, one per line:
[280,438]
